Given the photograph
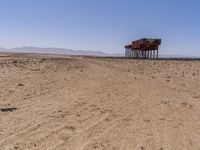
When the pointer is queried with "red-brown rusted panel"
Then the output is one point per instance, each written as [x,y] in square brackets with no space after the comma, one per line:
[145,44]
[128,46]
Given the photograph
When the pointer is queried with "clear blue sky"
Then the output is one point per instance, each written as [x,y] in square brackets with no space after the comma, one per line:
[103,25]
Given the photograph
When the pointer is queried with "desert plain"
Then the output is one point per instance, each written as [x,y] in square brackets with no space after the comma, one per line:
[57,102]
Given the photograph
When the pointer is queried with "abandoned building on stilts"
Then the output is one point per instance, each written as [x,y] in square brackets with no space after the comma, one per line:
[144,48]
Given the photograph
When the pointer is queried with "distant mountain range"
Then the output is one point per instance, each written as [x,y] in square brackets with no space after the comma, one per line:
[76,52]
[57,51]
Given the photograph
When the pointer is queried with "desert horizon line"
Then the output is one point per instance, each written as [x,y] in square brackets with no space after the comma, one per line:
[54,50]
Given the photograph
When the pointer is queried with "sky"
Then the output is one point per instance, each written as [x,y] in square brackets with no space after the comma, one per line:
[101,25]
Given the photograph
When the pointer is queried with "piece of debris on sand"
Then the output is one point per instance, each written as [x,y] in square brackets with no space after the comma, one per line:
[10,109]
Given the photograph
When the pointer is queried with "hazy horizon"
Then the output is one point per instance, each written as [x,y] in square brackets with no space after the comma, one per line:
[101,25]
[57,50]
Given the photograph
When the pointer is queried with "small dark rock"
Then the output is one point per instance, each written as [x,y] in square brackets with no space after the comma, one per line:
[147,120]
[20,84]
[44,59]
[184,103]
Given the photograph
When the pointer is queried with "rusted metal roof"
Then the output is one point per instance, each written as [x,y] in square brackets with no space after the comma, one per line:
[145,44]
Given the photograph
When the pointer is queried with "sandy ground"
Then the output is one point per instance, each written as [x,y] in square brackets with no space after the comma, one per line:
[81,103]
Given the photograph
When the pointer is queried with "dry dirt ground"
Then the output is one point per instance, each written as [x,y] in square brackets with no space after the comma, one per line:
[83,103]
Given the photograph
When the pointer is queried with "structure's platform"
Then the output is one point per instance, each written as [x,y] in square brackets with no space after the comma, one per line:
[143,48]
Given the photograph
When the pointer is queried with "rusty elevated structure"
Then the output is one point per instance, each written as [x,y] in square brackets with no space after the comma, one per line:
[145,48]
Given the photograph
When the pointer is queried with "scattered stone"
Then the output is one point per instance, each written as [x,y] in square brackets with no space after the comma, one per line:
[165,102]
[44,59]
[14,61]
[197,97]
[72,128]
[184,103]
[20,84]
[147,120]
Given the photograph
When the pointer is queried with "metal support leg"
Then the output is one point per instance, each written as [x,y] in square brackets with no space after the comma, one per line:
[157,53]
